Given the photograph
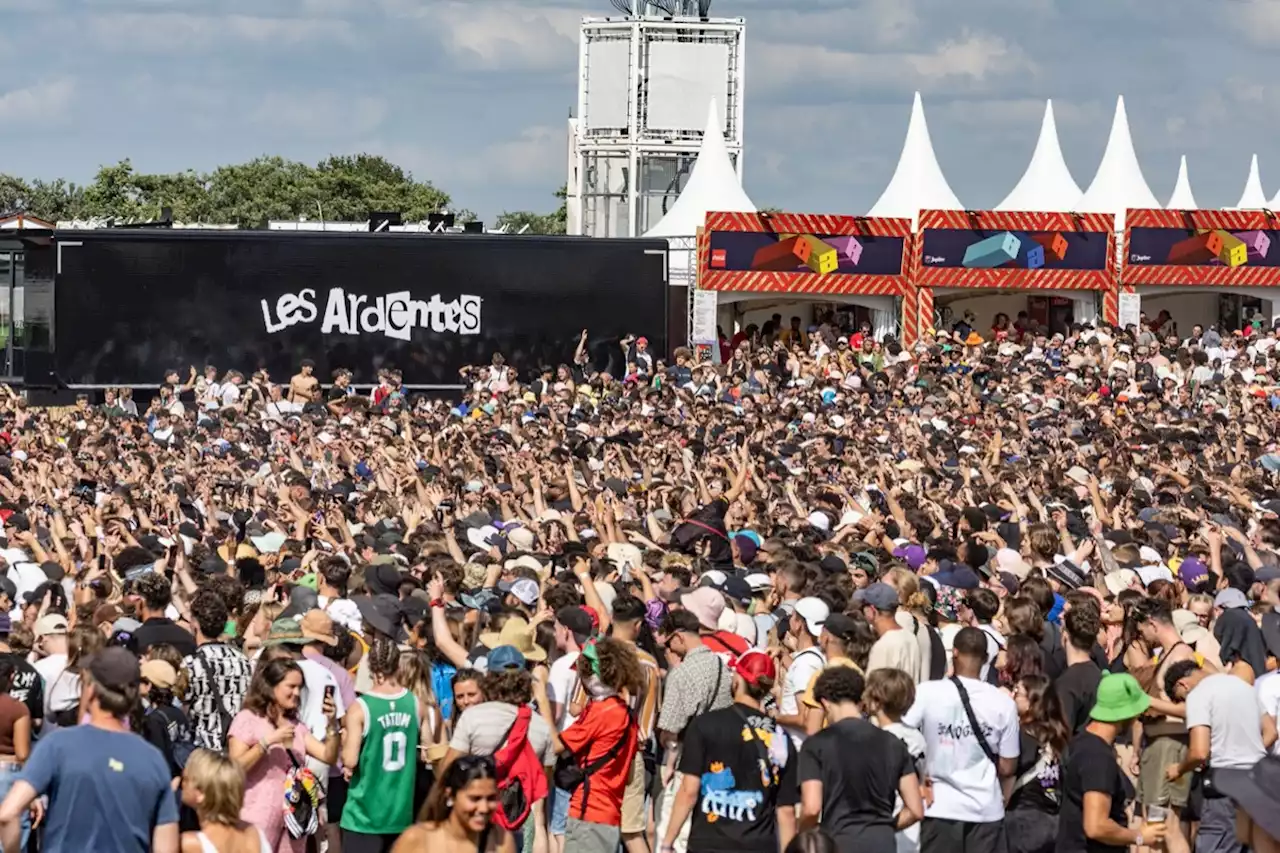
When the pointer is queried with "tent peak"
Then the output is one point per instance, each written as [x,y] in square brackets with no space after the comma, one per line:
[1118,183]
[917,182]
[1047,183]
[713,185]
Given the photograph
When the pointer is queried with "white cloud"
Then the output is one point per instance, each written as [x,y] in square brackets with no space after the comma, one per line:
[974,57]
[327,114]
[41,102]
[1257,20]
[179,32]
[537,155]
[502,36]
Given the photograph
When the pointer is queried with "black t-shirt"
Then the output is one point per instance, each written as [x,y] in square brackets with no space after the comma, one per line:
[1091,766]
[154,632]
[165,726]
[1078,689]
[27,686]
[860,767]
[747,771]
[1039,773]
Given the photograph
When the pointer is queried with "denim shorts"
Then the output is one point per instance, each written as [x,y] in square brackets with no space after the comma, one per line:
[9,775]
[559,811]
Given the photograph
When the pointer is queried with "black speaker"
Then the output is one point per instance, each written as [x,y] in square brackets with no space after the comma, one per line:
[475,226]
[38,369]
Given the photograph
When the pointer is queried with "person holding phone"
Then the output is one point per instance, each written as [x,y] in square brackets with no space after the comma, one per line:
[267,738]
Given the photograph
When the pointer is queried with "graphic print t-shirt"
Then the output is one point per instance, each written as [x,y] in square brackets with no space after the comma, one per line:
[965,784]
[747,771]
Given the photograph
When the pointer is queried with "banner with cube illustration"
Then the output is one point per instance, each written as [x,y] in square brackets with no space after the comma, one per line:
[858,259]
[1015,251]
[1201,247]
[1193,253]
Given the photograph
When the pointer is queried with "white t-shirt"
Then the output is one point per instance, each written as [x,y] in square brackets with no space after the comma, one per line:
[804,666]
[315,678]
[230,394]
[966,786]
[562,686]
[50,668]
[1228,706]
[1268,689]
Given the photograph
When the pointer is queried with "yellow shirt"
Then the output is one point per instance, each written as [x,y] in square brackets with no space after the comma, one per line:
[808,699]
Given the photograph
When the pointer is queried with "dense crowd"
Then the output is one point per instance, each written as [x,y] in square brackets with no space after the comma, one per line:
[1005,590]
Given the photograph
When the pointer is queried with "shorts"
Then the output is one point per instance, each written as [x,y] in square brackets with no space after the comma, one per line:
[1153,787]
[940,835]
[559,809]
[586,837]
[633,817]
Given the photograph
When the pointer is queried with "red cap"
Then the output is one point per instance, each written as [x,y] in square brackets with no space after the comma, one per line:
[642,340]
[753,665]
[595,618]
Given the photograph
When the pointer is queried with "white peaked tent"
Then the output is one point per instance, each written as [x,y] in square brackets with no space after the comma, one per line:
[713,186]
[1118,183]
[1253,198]
[1182,199]
[1047,184]
[918,183]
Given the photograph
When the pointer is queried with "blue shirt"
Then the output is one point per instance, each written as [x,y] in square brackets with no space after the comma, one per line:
[107,790]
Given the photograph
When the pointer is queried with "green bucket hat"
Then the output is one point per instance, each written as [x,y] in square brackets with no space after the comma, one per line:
[1120,698]
[285,631]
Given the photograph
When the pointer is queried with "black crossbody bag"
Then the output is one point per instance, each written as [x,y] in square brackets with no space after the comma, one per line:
[973,722]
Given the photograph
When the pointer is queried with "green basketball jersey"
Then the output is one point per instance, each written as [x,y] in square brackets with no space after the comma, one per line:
[380,801]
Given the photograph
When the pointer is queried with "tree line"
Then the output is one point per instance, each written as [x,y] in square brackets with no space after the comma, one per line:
[338,189]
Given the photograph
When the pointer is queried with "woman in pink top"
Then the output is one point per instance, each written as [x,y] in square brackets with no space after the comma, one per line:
[260,739]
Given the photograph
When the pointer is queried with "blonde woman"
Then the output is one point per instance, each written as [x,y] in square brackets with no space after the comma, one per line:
[913,613]
[213,785]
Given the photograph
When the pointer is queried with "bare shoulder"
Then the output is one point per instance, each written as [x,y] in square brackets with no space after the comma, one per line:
[412,840]
[190,842]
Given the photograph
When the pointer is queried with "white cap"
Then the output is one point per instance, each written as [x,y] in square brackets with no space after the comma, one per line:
[814,613]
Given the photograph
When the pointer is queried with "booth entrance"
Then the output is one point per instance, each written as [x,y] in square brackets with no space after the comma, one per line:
[1226,309]
[1039,310]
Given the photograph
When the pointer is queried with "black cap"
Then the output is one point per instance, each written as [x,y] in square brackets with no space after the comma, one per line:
[115,668]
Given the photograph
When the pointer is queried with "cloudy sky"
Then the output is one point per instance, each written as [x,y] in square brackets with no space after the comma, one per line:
[473,94]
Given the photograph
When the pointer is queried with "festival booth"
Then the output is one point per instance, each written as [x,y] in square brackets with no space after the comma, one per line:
[1057,267]
[754,265]
[1204,267]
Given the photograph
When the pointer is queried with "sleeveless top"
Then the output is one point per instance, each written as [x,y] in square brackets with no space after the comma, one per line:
[206,846]
[380,799]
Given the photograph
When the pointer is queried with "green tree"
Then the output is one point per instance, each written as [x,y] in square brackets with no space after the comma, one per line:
[344,188]
[539,223]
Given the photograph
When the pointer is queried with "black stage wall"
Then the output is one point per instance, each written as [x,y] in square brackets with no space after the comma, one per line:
[129,305]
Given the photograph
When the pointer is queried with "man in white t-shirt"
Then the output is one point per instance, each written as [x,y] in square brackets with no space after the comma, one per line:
[1268,689]
[967,812]
[51,645]
[808,660]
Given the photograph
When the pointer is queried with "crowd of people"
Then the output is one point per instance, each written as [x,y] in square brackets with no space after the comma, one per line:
[1016,592]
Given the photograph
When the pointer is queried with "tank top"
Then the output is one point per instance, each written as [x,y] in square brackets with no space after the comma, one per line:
[380,800]
[206,846]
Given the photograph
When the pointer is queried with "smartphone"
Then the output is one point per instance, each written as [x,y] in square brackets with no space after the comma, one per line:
[328,692]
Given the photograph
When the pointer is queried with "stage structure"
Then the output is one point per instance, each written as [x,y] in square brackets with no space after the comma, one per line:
[753,265]
[1058,267]
[646,79]
[1205,267]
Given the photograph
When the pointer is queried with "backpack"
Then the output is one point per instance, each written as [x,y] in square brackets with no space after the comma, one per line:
[521,778]
[176,752]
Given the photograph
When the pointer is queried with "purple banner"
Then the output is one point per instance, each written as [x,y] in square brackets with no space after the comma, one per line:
[1213,248]
[953,248]
[820,254]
